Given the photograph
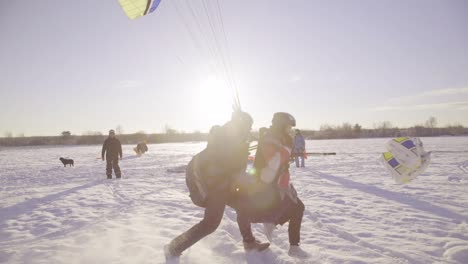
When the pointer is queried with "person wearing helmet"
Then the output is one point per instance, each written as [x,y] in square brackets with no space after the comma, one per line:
[113,150]
[274,201]
[299,148]
[209,176]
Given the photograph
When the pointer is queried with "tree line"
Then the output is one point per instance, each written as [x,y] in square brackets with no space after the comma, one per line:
[343,131]
[384,129]
[98,138]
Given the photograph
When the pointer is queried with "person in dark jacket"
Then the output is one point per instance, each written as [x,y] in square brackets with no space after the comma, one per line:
[113,150]
[209,176]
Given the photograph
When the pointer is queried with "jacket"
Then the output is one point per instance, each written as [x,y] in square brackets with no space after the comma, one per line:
[112,148]
[223,159]
[299,144]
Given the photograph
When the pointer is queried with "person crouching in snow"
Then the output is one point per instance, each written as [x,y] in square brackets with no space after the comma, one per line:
[209,176]
[273,200]
[141,148]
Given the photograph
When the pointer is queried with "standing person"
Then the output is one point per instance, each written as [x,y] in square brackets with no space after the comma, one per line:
[299,148]
[113,150]
[209,179]
[273,201]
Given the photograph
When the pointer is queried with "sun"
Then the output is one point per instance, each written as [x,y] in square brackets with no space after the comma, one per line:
[213,101]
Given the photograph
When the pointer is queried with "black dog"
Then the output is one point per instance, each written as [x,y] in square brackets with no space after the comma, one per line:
[67,161]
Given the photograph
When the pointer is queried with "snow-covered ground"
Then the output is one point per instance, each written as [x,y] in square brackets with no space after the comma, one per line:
[355,213]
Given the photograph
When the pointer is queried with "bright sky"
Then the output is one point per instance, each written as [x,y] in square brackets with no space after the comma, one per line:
[84,66]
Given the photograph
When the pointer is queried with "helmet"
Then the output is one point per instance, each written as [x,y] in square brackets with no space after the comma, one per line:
[242,118]
[282,119]
[111,131]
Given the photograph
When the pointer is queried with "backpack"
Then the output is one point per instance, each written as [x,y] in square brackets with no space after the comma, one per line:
[198,191]
[200,185]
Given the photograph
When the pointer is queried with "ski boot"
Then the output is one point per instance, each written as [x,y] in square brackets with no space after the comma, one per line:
[255,245]
[297,252]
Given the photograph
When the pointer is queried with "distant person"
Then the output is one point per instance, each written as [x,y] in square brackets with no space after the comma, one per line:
[141,148]
[209,176]
[299,148]
[113,150]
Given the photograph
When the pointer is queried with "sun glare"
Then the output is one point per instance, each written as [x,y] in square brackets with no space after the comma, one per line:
[213,101]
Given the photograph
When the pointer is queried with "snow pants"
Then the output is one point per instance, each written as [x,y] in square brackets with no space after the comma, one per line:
[112,163]
[214,211]
[296,158]
[294,215]
[285,210]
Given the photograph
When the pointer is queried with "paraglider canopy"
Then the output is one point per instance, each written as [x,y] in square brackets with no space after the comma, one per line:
[137,8]
[405,159]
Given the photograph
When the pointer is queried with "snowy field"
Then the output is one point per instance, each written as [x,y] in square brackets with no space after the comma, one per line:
[355,213]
